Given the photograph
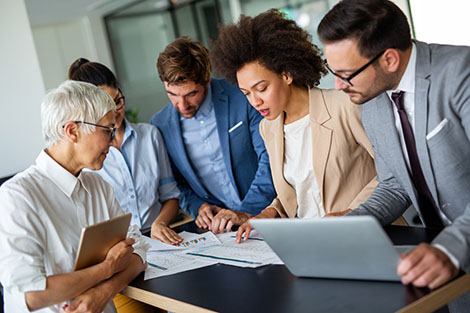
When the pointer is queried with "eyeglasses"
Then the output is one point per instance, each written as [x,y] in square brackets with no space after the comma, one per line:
[120,101]
[111,130]
[347,80]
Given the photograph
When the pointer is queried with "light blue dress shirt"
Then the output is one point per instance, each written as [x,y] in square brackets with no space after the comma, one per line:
[203,148]
[140,174]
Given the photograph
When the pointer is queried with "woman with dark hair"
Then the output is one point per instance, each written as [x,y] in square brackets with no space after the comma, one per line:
[137,165]
[321,160]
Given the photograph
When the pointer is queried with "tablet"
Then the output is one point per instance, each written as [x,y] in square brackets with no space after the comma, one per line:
[97,239]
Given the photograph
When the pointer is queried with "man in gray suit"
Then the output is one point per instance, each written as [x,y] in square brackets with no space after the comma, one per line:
[416,112]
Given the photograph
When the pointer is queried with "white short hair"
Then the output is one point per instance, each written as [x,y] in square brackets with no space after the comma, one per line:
[73,101]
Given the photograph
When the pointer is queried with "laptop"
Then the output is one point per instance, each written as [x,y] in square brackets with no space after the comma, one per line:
[353,247]
[97,239]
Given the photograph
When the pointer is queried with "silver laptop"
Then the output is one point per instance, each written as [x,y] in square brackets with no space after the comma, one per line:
[353,247]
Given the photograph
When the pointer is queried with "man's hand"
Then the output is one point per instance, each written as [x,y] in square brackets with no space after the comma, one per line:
[225,219]
[205,215]
[426,266]
[91,301]
[165,234]
[119,256]
[341,213]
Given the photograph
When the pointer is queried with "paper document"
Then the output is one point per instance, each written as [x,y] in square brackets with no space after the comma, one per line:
[190,240]
[164,263]
[251,253]
[200,250]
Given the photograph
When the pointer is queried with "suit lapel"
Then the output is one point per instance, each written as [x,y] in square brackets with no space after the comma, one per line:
[389,142]
[321,135]
[421,113]
[277,161]
[222,117]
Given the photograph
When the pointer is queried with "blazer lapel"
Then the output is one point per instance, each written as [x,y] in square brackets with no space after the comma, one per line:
[321,135]
[389,141]
[222,117]
[421,114]
[277,161]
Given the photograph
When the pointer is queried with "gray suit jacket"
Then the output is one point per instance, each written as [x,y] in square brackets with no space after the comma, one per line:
[442,133]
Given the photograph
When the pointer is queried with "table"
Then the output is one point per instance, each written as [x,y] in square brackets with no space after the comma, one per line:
[223,288]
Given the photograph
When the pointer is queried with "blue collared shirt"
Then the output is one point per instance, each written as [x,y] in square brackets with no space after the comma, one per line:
[140,174]
[202,144]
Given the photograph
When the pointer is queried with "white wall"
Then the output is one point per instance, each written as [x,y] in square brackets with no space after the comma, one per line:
[59,44]
[21,90]
[439,21]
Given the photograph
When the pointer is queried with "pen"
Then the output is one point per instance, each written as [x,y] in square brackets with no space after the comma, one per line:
[259,239]
[157,266]
[222,258]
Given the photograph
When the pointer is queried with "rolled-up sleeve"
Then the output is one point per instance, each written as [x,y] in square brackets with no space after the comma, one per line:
[21,245]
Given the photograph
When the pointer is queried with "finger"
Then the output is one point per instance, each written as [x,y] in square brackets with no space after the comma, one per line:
[203,221]
[129,241]
[215,224]
[198,222]
[207,221]
[247,232]
[410,260]
[208,213]
[173,236]
[238,236]
[426,278]
[223,223]
[229,226]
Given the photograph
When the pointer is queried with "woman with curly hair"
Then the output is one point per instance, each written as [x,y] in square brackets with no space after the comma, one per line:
[321,160]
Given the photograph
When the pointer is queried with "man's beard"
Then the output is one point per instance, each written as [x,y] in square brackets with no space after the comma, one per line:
[381,83]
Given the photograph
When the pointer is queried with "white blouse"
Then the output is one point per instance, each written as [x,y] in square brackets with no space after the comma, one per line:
[43,211]
[298,168]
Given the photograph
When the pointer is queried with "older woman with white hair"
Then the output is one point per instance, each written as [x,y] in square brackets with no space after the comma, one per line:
[44,208]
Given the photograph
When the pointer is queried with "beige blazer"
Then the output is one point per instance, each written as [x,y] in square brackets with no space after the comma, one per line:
[342,155]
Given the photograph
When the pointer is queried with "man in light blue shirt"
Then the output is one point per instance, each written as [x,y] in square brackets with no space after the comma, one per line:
[212,136]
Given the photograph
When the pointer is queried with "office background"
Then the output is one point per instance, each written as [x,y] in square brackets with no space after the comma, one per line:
[41,38]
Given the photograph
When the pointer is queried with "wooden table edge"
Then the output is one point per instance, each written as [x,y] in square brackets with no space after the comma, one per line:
[439,297]
[162,302]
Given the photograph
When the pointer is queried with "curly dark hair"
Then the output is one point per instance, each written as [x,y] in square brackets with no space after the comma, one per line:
[276,42]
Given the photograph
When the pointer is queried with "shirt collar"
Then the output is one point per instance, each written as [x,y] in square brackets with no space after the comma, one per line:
[205,108]
[407,82]
[129,130]
[59,175]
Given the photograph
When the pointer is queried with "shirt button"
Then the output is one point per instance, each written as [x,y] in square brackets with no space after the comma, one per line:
[206,196]
[202,122]
[132,196]
[205,140]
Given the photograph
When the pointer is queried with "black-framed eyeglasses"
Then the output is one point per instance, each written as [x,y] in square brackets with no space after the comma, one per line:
[347,80]
[120,101]
[111,130]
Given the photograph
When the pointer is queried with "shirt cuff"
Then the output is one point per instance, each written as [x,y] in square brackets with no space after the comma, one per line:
[452,258]
[140,246]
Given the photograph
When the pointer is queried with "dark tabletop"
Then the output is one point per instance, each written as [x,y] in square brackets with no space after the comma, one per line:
[273,288]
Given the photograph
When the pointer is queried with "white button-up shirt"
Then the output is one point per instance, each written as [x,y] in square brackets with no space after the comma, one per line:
[43,211]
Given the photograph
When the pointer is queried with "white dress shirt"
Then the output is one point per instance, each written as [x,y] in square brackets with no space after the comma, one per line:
[298,168]
[43,211]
